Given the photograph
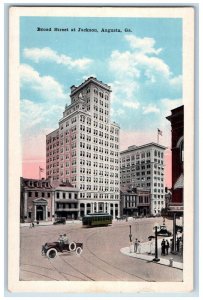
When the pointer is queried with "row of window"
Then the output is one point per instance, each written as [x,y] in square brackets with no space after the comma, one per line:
[66,195]
[66,205]
[159,202]
[39,194]
[99,196]
[141,155]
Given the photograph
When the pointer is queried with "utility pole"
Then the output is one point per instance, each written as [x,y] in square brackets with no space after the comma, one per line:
[156,259]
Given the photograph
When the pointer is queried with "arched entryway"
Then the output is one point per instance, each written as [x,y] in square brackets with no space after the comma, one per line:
[40,209]
[40,212]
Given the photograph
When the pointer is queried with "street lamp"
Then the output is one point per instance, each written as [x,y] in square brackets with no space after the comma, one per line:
[156,259]
[130,235]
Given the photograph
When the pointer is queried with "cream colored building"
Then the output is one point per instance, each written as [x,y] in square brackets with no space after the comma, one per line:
[85,149]
[143,167]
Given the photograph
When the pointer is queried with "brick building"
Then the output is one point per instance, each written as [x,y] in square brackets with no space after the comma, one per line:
[134,201]
[177,147]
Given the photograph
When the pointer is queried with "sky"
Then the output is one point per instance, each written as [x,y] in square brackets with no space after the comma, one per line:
[142,63]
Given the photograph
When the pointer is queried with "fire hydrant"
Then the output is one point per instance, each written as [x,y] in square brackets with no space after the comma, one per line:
[171,262]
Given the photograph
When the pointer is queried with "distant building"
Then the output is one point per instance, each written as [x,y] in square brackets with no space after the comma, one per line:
[84,149]
[40,201]
[143,167]
[134,201]
[66,201]
[37,200]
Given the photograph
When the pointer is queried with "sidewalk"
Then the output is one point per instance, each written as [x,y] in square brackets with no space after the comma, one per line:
[171,260]
[49,223]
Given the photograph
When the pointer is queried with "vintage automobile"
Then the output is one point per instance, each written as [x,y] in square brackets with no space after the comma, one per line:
[52,249]
[162,231]
[59,221]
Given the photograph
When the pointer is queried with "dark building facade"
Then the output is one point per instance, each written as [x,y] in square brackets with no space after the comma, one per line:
[177,147]
[175,208]
[134,201]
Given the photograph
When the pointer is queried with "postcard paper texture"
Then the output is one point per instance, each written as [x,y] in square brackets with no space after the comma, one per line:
[101,139]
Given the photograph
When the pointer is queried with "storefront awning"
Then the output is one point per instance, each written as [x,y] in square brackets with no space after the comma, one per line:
[179,183]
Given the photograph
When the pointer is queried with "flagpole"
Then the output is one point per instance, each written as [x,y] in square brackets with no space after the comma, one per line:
[39,173]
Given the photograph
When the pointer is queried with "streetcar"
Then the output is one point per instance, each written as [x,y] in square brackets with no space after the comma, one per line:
[96,219]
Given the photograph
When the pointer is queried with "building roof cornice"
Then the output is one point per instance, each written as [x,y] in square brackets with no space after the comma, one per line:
[75,89]
[135,148]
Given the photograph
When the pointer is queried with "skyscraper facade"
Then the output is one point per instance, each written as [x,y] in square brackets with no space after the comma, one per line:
[143,167]
[84,150]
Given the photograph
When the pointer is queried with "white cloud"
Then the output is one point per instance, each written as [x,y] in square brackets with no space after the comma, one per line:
[144,45]
[176,82]
[123,63]
[123,89]
[117,112]
[47,86]
[47,54]
[152,65]
[37,117]
[140,63]
[131,104]
[37,120]
[151,108]
[169,104]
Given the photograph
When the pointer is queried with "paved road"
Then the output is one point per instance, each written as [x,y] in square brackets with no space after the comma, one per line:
[100,260]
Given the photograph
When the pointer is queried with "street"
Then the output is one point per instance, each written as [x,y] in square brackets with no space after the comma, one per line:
[101,259]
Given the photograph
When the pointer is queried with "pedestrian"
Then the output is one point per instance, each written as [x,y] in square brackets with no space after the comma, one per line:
[61,242]
[163,247]
[135,245]
[138,247]
[65,239]
[33,225]
[150,246]
[167,246]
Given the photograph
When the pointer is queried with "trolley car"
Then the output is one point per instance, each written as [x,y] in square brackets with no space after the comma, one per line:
[96,219]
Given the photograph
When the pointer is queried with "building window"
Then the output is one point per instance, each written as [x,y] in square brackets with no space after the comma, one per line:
[30,194]
[57,195]
[36,194]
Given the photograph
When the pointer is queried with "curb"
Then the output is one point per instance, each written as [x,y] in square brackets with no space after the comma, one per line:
[146,257]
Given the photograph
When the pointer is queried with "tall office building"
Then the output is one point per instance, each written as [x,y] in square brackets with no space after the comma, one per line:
[143,167]
[84,150]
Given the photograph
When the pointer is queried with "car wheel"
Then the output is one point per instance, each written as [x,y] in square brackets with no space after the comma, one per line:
[72,246]
[78,250]
[52,253]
